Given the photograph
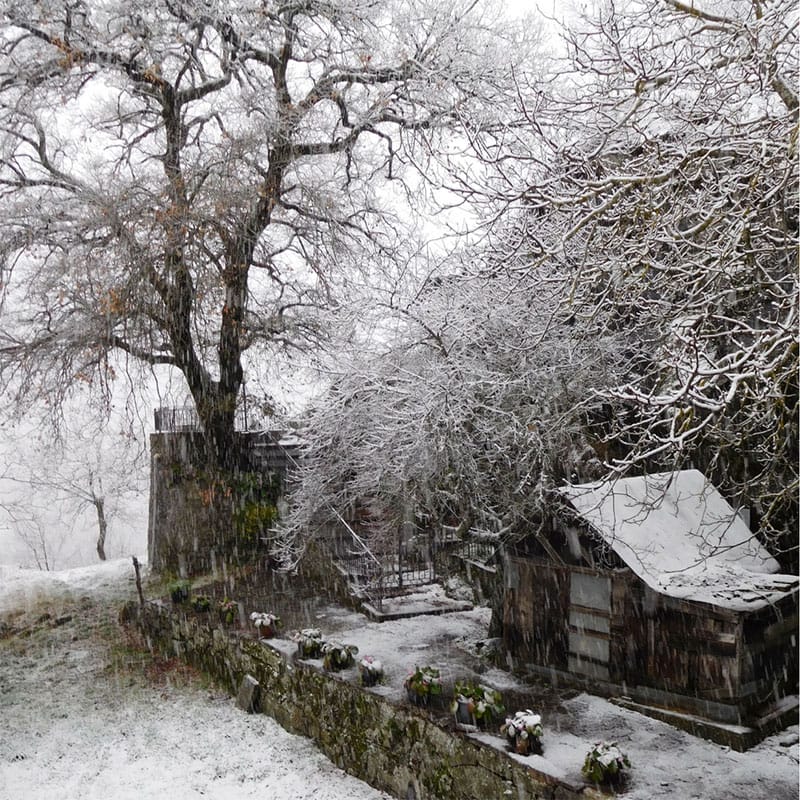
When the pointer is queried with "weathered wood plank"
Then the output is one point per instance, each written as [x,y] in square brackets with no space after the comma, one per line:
[580,620]
[594,647]
[592,591]
[591,669]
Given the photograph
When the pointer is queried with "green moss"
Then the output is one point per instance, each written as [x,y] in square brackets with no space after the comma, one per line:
[256,495]
[440,781]
[412,730]
[396,733]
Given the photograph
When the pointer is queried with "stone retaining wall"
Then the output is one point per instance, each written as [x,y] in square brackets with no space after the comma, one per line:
[398,749]
[191,506]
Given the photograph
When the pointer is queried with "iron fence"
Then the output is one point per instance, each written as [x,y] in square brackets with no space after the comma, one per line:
[177,419]
[186,419]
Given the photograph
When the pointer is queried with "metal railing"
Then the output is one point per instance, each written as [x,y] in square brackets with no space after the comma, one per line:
[362,567]
[186,418]
[477,551]
[176,419]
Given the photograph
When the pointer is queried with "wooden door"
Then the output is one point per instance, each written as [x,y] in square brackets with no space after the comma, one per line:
[589,625]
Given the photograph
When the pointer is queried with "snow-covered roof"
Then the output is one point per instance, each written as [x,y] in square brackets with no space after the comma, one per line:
[681,537]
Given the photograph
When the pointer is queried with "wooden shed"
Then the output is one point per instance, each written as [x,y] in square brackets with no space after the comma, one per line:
[658,593]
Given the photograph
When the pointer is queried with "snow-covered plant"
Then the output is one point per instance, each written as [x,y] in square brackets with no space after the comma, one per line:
[228,610]
[200,602]
[179,590]
[639,310]
[371,670]
[605,763]
[336,656]
[482,702]
[266,624]
[423,683]
[406,427]
[309,642]
[676,201]
[523,725]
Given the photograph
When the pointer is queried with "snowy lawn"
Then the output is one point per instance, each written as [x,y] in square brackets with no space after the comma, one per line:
[85,716]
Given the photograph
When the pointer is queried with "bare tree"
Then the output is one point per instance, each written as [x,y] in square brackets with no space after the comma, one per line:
[28,526]
[479,404]
[653,181]
[184,182]
[47,486]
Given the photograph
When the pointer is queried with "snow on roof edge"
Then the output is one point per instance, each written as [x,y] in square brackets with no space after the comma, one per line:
[682,538]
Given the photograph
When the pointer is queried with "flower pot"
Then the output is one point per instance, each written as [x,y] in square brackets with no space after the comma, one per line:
[369,678]
[201,605]
[463,713]
[338,656]
[416,698]
[530,745]
[179,595]
[309,643]
[310,649]
[606,764]
[371,671]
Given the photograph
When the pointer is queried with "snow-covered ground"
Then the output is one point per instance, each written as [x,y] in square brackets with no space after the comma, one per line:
[77,724]
[82,717]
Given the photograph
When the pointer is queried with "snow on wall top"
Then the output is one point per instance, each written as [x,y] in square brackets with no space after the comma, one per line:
[681,537]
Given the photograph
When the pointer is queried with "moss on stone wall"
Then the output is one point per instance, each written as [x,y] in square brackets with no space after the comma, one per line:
[201,518]
[389,746]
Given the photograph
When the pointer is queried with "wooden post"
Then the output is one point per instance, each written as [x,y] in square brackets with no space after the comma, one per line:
[138,580]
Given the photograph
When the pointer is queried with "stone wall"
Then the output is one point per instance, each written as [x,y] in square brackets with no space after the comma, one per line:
[190,528]
[187,522]
[398,749]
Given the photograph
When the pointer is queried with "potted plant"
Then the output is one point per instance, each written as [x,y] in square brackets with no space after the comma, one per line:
[605,763]
[371,671]
[423,684]
[228,611]
[309,643]
[200,602]
[524,731]
[179,591]
[266,624]
[336,656]
[476,704]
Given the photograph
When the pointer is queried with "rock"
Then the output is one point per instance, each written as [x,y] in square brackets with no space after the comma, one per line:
[458,590]
[489,648]
[247,699]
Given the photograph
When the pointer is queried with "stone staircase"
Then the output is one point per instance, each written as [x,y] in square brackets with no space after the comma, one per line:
[374,577]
